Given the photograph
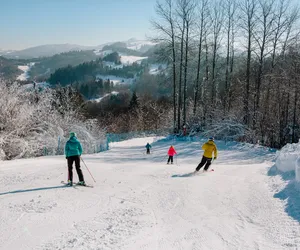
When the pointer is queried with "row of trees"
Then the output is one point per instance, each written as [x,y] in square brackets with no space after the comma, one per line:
[94,88]
[125,112]
[233,60]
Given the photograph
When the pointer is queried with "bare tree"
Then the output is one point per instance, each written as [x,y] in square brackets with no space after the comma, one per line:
[181,11]
[217,17]
[263,38]
[167,34]
[230,7]
[247,17]
[280,27]
[292,19]
[203,29]
[189,20]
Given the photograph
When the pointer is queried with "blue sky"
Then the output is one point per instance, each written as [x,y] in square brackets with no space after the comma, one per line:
[27,23]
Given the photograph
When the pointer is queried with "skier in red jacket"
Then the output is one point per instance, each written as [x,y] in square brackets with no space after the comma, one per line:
[171,153]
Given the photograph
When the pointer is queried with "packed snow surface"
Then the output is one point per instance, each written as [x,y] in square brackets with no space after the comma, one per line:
[139,202]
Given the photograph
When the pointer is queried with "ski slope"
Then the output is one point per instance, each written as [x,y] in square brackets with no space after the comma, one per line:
[138,203]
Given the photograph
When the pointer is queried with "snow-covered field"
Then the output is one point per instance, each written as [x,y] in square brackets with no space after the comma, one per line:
[157,68]
[128,60]
[115,79]
[25,68]
[100,98]
[102,53]
[139,202]
[113,65]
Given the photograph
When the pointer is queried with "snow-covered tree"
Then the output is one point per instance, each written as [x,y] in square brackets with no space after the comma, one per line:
[33,125]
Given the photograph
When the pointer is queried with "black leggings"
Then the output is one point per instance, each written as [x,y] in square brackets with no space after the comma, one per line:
[206,161]
[71,159]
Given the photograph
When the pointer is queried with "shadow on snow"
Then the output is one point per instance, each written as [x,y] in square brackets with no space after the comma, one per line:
[33,189]
[290,193]
[184,175]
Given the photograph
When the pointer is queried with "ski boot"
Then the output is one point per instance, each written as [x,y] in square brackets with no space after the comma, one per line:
[81,183]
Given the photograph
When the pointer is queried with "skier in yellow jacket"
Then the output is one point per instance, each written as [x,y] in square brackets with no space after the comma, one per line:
[209,148]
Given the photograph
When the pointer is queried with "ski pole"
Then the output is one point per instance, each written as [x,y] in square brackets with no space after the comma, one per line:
[176,161]
[87,168]
[211,164]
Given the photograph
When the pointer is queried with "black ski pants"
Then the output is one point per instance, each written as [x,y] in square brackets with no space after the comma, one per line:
[170,159]
[148,150]
[205,161]
[71,159]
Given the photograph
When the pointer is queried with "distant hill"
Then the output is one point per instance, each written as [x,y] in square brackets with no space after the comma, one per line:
[46,51]
[132,47]
[139,45]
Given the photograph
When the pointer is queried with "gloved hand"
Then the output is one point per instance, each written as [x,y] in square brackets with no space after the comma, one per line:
[215,158]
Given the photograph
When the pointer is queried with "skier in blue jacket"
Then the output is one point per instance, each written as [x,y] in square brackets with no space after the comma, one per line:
[73,151]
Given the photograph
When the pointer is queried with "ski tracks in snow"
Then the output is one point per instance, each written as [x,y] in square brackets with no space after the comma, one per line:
[136,204]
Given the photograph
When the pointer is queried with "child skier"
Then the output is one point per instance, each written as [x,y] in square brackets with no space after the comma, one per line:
[171,153]
[73,150]
[209,148]
[148,146]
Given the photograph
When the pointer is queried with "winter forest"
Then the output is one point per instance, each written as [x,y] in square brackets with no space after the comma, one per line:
[232,72]
[234,67]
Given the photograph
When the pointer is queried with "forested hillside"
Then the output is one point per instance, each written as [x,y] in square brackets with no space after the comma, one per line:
[9,68]
[44,67]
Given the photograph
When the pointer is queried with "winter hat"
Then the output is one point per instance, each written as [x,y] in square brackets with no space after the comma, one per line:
[72,134]
[211,138]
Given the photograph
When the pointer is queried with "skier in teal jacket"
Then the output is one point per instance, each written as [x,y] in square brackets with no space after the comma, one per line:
[148,146]
[73,151]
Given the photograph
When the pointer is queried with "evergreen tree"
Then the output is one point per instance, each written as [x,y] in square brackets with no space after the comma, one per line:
[134,103]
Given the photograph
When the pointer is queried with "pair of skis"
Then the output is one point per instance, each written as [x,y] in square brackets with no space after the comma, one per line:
[194,173]
[76,184]
[203,171]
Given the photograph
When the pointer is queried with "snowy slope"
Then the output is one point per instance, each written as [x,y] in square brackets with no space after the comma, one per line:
[101,98]
[139,202]
[135,44]
[25,68]
[157,68]
[128,60]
